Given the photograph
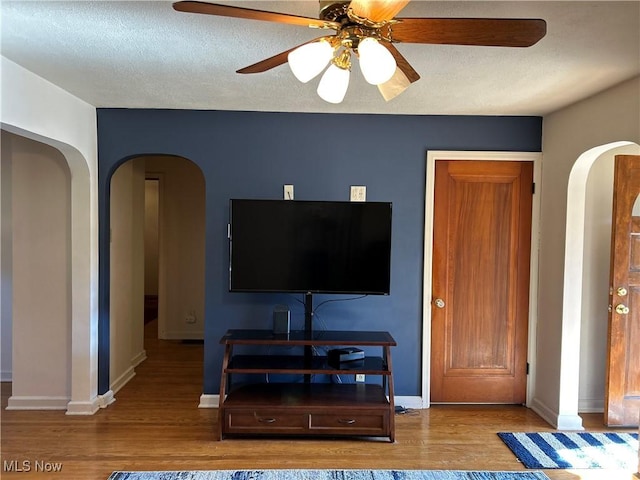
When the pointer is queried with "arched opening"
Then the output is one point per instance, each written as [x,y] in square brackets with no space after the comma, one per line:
[179,268]
[37,274]
[586,274]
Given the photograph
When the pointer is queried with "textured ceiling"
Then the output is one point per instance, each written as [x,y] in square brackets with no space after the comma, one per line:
[144,54]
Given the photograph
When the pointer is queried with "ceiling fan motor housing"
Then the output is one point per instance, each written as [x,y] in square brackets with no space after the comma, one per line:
[332,11]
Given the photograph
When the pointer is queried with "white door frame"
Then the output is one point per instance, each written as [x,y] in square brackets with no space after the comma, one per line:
[432,158]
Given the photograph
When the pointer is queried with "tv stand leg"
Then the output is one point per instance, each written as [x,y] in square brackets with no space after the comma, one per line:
[308,331]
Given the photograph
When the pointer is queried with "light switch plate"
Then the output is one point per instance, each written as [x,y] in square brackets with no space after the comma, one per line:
[358,193]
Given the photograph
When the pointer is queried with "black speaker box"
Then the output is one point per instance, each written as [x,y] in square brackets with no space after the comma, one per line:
[281,319]
[339,356]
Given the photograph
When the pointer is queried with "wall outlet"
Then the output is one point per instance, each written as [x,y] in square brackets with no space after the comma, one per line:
[191,318]
[360,377]
[358,193]
[288,192]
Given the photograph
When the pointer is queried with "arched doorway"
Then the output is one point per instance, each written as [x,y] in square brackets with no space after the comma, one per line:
[583,340]
[71,381]
[180,268]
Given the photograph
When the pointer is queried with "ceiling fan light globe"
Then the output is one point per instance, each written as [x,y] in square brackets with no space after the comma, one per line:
[376,62]
[333,84]
[307,61]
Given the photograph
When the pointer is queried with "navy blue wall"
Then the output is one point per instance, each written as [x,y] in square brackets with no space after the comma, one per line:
[251,155]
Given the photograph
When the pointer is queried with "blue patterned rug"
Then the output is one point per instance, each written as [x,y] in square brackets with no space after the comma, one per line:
[574,450]
[329,475]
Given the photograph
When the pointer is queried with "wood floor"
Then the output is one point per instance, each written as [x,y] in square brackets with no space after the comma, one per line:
[155,424]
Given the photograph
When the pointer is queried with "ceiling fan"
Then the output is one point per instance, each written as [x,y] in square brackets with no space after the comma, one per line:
[368,29]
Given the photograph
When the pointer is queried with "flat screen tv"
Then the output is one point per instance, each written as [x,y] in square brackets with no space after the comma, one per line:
[310,246]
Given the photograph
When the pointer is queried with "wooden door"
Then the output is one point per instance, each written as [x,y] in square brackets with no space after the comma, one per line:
[622,402]
[480,303]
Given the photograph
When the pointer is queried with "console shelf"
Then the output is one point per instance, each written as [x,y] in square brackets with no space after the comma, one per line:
[259,408]
[296,364]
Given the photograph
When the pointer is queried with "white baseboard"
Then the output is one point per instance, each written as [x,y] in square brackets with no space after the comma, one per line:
[37,403]
[123,379]
[139,358]
[6,376]
[547,414]
[181,335]
[83,408]
[413,402]
[560,422]
[209,401]
[569,422]
[591,405]
[106,399]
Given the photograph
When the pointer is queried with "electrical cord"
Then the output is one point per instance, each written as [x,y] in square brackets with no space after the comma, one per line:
[323,326]
[338,300]
[400,410]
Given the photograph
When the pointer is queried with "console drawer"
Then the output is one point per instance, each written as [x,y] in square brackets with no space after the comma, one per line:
[255,421]
[356,423]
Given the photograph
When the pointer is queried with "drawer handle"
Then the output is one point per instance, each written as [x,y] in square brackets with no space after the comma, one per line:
[346,421]
[267,420]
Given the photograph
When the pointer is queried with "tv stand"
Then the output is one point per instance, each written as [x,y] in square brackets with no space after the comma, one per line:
[305,408]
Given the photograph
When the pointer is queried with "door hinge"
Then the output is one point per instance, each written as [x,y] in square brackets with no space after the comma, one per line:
[527,368]
[533,188]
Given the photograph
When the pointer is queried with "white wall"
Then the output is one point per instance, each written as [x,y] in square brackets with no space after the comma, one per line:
[6,262]
[609,116]
[138,353]
[595,281]
[40,279]
[35,108]
[182,243]
[127,273]
[151,233]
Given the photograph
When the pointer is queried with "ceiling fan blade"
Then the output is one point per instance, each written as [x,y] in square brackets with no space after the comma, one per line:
[403,77]
[394,86]
[493,32]
[238,12]
[377,10]
[402,63]
[272,62]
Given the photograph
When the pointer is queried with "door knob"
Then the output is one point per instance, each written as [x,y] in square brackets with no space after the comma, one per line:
[438,302]
[622,309]
[621,291]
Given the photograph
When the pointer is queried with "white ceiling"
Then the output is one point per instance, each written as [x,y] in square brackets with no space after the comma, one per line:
[143,54]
